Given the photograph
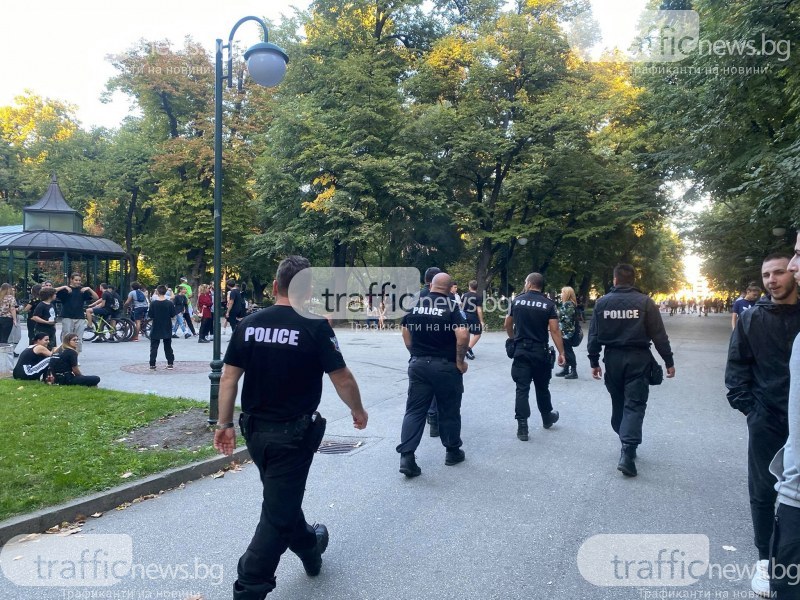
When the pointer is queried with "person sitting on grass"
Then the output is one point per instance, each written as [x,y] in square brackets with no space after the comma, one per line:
[34,361]
[64,364]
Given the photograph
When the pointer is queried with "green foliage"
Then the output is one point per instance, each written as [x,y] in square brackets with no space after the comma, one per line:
[729,123]
[67,444]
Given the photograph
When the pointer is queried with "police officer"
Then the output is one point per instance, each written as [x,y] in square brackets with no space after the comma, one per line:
[625,321]
[282,354]
[433,417]
[436,335]
[530,317]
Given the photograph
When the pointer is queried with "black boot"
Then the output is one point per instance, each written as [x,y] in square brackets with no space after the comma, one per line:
[433,421]
[453,456]
[626,464]
[563,372]
[408,466]
[573,374]
[549,420]
[312,558]
[522,430]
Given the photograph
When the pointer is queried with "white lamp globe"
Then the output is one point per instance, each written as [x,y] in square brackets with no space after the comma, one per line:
[266,63]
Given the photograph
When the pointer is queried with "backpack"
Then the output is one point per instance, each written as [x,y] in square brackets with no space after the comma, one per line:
[115,303]
[140,296]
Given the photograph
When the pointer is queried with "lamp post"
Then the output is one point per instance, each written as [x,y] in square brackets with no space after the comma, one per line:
[266,64]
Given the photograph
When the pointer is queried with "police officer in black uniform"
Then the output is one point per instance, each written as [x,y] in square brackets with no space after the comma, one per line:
[282,354]
[433,416]
[530,317]
[625,321]
[437,337]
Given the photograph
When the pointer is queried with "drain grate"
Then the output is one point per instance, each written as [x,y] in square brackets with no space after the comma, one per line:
[338,446]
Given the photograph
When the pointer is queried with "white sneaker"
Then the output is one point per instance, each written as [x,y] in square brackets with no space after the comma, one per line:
[760,581]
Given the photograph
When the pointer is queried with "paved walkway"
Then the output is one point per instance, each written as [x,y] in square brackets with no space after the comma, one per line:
[507,523]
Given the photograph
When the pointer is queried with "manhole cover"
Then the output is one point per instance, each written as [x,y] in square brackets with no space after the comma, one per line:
[188,366]
[339,446]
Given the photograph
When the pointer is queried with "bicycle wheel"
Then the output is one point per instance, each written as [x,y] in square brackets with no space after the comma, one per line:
[121,332]
[89,334]
[128,328]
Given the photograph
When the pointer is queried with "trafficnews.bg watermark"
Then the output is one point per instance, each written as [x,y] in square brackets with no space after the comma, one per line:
[662,561]
[93,561]
[667,36]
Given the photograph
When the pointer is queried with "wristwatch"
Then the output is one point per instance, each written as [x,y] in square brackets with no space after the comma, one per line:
[219,426]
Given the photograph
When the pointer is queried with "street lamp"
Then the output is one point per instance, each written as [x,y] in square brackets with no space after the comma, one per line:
[266,64]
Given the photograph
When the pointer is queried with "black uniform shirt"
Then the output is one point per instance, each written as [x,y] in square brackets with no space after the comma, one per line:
[627,318]
[532,312]
[72,302]
[471,301]
[432,323]
[283,355]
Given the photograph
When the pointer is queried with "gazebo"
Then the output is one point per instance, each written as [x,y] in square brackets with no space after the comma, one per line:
[50,244]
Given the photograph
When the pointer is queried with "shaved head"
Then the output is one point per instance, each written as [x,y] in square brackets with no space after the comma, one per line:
[441,283]
[535,281]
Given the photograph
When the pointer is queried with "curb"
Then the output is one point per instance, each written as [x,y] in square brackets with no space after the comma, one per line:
[46,518]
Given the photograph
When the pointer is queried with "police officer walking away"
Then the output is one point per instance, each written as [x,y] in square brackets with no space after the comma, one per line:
[530,317]
[625,321]
[436,335]
[282,355]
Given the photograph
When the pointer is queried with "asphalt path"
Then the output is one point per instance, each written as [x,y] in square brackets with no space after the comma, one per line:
[507,523]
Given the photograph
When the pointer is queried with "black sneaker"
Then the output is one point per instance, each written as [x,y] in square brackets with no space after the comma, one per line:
[174,336]
[186,336]
[170,367]
[312,558]
[152,367]
[453,457]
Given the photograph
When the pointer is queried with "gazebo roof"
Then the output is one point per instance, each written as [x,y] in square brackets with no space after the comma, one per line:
[28,241]
[52,201]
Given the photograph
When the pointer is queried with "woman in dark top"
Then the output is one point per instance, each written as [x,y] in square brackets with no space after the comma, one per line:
[64,364]
[567,315]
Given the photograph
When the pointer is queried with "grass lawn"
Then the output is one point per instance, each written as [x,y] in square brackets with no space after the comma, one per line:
[60,442]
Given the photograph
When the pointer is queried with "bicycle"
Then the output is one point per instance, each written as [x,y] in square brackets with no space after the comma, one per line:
[122,331]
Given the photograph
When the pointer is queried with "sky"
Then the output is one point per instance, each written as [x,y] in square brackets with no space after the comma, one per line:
[58,49]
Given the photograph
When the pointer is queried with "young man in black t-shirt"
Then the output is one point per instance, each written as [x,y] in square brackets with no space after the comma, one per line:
[73,297]
[282,355]
[472,304]
[235,310]
[161,312]
[45,316]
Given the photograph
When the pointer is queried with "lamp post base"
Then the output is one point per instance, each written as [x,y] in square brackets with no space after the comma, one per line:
[215,375]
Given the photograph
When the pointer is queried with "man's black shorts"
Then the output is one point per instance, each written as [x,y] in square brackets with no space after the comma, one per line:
[475,328]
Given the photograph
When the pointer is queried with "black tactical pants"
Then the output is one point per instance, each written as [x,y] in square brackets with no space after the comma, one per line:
[767,435]
[626,379]
[784,564]
[430,377]
[283,453]
[531,363]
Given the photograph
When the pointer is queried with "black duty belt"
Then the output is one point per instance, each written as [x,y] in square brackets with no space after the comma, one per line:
[431,359]
[256,423]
